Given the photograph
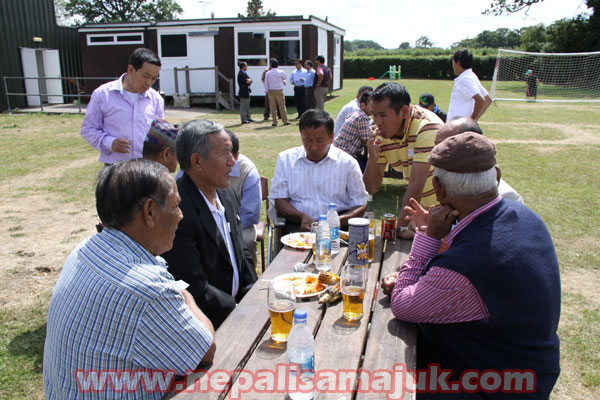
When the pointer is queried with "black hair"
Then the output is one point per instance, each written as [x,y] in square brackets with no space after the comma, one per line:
[242,64]
[314,118]
[235,142]
[363,89]
[152,150]
[274,62]
[124,187]
[364,99]
[142,55]
[464,57]
[321,59]
[395,92]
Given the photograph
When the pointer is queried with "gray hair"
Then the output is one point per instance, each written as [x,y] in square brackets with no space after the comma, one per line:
[124,187]
[193,138]
[467,184]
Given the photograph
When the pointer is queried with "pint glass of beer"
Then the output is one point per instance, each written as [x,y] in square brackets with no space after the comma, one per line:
[353,285]
[281,301]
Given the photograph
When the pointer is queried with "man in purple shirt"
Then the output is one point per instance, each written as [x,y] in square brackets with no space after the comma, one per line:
[120,112]
[275,80]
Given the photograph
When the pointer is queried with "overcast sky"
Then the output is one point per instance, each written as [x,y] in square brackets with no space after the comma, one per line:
[391,22]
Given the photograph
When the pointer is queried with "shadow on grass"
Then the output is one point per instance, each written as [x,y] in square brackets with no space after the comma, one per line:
[30,344]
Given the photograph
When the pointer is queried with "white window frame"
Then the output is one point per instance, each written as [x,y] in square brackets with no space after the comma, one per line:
[114,38]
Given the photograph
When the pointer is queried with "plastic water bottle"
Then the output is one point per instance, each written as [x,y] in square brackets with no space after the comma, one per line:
[333,219]
[323,245]
[301,358]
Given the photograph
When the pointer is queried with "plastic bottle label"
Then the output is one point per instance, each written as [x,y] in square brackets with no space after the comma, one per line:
[335,233]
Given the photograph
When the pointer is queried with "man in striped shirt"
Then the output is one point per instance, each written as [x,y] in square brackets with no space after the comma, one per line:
[491,300]
[403,138]
[116,311]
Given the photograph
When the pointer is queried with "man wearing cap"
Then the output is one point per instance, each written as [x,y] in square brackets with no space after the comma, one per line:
[491,301]
[403,138]
[469,98]
[350,107]
[427,101]
[120,112]
[159,145]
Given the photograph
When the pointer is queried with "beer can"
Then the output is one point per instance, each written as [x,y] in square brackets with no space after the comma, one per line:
[358,241]
[388,226]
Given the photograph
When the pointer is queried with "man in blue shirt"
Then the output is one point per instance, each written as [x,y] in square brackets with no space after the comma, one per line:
[308,85]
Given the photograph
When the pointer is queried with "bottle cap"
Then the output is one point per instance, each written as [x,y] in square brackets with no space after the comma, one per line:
[332,205]
[300,315]
[322,217]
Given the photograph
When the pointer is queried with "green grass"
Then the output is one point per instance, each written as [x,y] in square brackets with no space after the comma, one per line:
[558,179]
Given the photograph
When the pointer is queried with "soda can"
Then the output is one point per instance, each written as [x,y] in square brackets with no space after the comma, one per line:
[358,241]
[388,226]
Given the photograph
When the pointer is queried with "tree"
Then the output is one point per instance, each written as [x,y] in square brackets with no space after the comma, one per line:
[255,9]
[404,46]
[500,38]
[353,45]
[533,38]
[499,7]
[99,11]
[423,42]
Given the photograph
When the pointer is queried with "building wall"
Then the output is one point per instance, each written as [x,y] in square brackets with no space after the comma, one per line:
[20,21]
[225,57]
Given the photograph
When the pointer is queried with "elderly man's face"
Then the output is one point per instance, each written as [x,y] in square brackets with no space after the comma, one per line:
[387,120]
[217,167]
[166,220]
[316,142]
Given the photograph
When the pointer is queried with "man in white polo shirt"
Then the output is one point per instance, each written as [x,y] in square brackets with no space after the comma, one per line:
[469,98]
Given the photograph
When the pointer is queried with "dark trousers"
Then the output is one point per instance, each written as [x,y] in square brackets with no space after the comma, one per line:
[300,97]
[309,98]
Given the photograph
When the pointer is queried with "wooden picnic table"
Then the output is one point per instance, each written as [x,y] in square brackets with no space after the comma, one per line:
[377,342]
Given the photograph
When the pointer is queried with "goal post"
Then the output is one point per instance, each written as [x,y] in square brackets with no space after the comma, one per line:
[549,77]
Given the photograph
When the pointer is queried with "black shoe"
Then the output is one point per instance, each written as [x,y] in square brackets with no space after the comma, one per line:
[251,120]
[245,122]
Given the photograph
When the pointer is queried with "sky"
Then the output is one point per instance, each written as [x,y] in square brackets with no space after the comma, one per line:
[391,22]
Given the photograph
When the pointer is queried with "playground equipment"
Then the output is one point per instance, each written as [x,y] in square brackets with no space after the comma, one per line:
[393,73]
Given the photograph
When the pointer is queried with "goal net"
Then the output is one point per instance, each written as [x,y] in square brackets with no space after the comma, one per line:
[553,77]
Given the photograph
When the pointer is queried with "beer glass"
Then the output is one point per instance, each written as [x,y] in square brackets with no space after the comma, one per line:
[313,238]
[353,285]
[281,301]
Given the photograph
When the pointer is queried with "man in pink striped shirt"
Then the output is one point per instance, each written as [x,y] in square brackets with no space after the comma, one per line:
[492,299]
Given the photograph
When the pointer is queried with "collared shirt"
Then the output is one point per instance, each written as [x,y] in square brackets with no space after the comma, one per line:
[275,79]
[344,113]
[310,186]
[414,145]
[297,75]
[218,214]
[355,132]
[310,77]
[112,115]
[441,296]
[115,309]
[466,85]
[251,195]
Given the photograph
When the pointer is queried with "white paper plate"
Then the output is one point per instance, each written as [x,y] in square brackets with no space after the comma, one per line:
[299,281]
[298,240]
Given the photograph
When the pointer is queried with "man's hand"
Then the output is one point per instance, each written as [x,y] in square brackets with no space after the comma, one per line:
[417,215]
[306,222]
[388,282]
[373,144]
[440,221]
[121,146]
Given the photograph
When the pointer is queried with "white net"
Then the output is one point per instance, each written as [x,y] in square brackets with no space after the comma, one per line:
[557,77]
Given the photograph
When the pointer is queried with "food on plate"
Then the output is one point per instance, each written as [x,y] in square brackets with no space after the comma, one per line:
[306,284]
[344,235]
[328,278]
[332,295]
[300,239]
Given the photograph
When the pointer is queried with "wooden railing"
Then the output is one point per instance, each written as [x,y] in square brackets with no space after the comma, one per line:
[228,104]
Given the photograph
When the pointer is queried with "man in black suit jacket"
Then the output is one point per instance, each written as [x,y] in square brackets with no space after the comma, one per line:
[208,250]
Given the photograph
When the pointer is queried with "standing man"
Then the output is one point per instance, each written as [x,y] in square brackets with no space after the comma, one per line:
[119,113]
[406,136]
[275,81]
[308,84]
[244,81]
[245,182]
[469,98]
[115,306]
[426,100]
[321,84]
[350,107]
[297,79]
[208,250]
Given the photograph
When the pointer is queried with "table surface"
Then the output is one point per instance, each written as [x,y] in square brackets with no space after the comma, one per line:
[378,345]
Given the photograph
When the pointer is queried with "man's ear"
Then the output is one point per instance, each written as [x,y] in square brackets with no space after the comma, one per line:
[236,156]
[149,212]
[164,154]
[498,174]
[440,192]
[196,162]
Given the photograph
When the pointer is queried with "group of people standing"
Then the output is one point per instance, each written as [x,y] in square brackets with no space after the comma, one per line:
[481,281]
[310,88]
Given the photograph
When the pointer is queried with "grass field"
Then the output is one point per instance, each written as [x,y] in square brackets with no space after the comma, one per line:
[547,152]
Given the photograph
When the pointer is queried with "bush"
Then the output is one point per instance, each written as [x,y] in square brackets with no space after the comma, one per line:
[414,67]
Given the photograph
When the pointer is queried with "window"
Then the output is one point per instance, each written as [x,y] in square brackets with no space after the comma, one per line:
[173,45]
[251,44]
[285,51]
[113,39]
[284,34]
[254,62]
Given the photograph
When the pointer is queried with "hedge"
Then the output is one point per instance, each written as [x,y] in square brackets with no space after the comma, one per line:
[436,67]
